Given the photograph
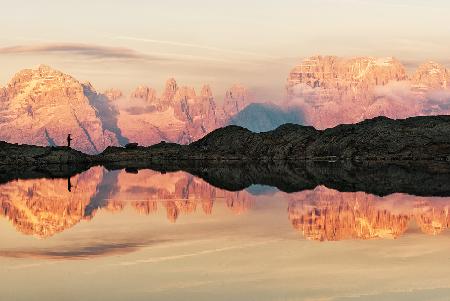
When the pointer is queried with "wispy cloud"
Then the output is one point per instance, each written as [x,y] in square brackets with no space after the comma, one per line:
[92,51]
[106,52]
[197,46]
[199,253]
[82,252]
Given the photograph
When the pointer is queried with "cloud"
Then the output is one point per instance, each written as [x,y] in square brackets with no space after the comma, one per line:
[413,64]
[114,53]
[399,91]
[87,50]
[199,253]
[82,252]
[138,110]
[402,94]
[438,101]
[197,46]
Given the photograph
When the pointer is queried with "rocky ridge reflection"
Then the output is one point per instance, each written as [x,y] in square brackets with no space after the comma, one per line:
[44,207]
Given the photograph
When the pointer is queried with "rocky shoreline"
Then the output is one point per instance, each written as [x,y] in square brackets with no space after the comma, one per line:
[379,139]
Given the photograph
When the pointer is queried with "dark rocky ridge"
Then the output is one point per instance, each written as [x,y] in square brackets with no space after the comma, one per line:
[31,155]
[379,139]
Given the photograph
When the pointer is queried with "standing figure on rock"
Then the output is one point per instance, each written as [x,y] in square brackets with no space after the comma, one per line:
[69,138]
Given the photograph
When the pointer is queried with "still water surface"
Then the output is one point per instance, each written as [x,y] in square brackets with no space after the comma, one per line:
[152,236]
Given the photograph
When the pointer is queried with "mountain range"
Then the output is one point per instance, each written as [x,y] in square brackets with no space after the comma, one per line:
[329,90]
[41,106]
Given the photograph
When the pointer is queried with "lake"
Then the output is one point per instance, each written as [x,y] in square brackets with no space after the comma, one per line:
[147,235]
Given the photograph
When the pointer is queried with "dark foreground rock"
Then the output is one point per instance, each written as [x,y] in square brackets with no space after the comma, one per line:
[379,139]
[30,155]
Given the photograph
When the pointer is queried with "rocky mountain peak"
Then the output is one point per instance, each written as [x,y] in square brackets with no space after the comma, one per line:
[41,72]
[2,93]
[431,75]
[88,85]
[45,68]
[237,92]
[185,93]
[331,90]
[206,92]
[145,93]
[44,105]
[170,89]
[113,94]
[31,87]
[236,99]
[331,72]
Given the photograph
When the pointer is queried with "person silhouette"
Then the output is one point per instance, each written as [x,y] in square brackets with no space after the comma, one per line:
[69,138]
[69,184]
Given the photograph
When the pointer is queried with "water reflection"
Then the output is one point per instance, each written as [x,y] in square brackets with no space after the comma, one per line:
[45,207]
[325,214]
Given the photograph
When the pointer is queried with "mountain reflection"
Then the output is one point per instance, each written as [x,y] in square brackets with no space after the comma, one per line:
[325,214]
[44,207]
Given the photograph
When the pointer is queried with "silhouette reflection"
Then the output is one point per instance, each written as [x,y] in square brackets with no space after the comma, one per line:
[69,184]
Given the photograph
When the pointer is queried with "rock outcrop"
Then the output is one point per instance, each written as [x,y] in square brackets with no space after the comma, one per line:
[381,138]
[30,155]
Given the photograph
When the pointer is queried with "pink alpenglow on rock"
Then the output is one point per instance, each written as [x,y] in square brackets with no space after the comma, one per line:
[40,106]
[330,90]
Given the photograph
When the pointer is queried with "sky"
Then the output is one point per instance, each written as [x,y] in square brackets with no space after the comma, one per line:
[254,43]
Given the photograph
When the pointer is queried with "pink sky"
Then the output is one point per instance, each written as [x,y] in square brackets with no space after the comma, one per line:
[254,43]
